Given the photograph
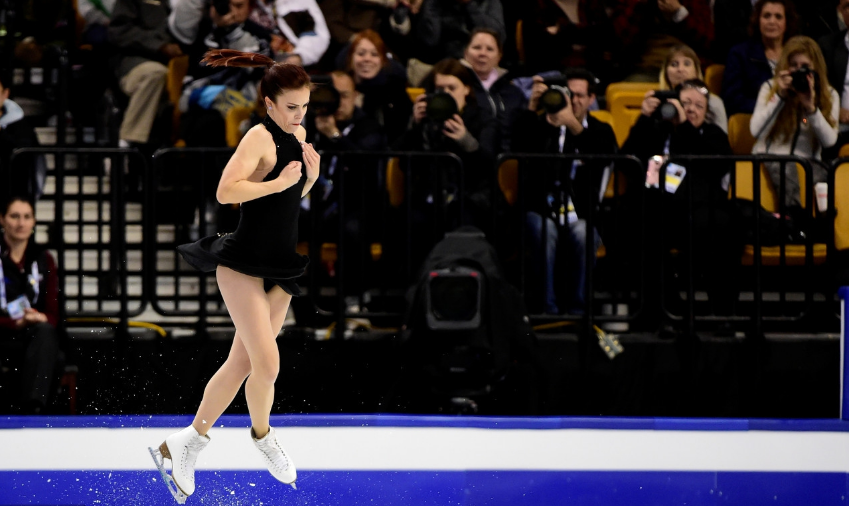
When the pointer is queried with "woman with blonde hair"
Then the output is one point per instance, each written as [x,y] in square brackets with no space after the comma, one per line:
[796,114]
[682,64]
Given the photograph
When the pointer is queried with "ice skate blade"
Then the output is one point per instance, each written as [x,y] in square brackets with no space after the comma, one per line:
[293,485]
[178,494]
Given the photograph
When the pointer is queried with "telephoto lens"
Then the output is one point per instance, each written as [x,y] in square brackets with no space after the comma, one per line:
[554,99]
[441,106]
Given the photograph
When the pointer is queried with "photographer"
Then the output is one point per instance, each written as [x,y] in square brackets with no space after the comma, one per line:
[682,64]
[689,188]
[559,194]
[796,113]
[456,126]
[340,126]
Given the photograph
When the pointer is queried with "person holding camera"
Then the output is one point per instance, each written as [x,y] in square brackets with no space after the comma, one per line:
[682,64]
[447,119]
[751,63]
[796,114]
[341,126]
[682,199]
[497,96]
[29,305]
[560,193]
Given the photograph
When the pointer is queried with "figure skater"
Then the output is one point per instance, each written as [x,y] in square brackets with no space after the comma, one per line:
[255,266]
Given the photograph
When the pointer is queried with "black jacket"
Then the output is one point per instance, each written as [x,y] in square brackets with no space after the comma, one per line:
[501,103]
[477,164]
[836,58]
[745,71]
[533,134]
[138,29]
[648,137]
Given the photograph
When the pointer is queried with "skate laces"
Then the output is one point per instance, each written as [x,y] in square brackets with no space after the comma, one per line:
[193,448]
[272,450]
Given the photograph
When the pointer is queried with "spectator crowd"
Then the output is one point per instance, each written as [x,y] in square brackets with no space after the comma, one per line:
[477,79]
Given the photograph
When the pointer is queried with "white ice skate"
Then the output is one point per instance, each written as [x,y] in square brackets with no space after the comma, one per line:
[182,448]
[275,457]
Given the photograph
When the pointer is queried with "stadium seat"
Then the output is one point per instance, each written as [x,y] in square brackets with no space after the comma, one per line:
[232,123]
[508,180]
[520,42]
[794,254]
[625,108]
[841,203]
[614,88]
[395,182]
[739,135]
[713,77]
[414,93]
[177,69]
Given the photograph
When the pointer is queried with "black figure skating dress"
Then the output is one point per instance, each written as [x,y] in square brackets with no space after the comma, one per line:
[263,244]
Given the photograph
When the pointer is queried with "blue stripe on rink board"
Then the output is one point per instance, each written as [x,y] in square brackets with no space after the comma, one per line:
[427,488]
[535,423]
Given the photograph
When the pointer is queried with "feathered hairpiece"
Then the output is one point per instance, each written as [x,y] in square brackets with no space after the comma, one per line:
[233,58]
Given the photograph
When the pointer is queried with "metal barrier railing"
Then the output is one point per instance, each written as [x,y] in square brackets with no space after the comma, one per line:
[181,211]
[176,197]
[95,230]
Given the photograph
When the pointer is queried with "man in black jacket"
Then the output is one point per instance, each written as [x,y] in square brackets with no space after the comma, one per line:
[560,193]
[348,129]
[836,55]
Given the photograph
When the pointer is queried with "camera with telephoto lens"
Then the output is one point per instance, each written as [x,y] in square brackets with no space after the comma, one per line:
[324,97]
[222,7]
[800,79]
[441,106]
[555,98]
[666,110]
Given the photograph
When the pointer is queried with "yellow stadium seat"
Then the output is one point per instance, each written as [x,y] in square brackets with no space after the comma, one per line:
[713,77]
[177,69]
[841,205]
[794,254]
[625,107]
[508,180]
[614,88]
[232,123]
[414,93]
[739,135]
[520,42]
[395,182]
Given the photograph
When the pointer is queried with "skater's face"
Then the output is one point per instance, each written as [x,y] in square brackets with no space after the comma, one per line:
[18,222]
[289,108]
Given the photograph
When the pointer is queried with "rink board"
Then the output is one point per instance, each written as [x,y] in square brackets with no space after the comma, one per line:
[388,460]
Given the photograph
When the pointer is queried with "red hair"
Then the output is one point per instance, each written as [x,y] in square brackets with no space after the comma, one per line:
[278,77]
[371,36]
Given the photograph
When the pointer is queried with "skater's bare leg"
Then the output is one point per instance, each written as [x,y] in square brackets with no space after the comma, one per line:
[223,386]
[226,382]
[251,309]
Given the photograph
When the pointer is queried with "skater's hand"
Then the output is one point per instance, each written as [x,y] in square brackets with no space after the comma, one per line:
[289,176]
[312,160]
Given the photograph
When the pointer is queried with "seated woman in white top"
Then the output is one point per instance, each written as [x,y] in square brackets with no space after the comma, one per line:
[796,113]
[682,64]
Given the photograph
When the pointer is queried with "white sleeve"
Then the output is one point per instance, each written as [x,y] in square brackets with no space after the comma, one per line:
[184,20]
[826,133]
[765,111]
[312,47]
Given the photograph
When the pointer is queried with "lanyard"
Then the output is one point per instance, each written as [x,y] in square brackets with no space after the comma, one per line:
[33,279]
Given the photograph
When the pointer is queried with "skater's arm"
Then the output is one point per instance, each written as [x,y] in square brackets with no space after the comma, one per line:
[256,149]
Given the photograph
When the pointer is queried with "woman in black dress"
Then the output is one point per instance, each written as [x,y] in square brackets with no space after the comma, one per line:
[256,265]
